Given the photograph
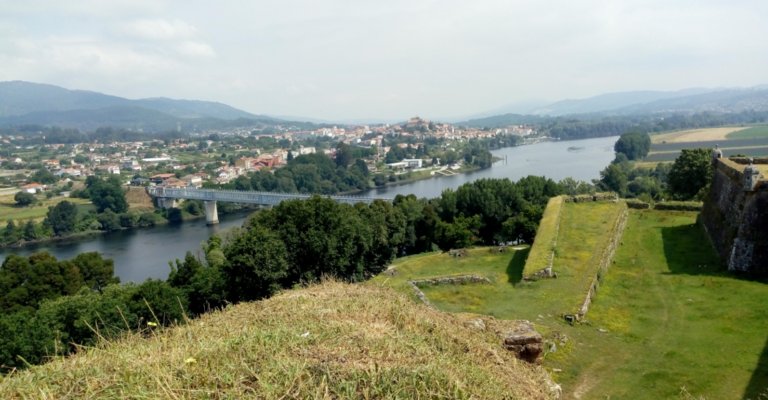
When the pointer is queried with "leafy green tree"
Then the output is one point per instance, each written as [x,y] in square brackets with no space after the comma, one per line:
[634,145]
[107,194]
[343,155]
[30,231]
[23,198]
[690,173]
[256,264]
[97,272]
[458,234]
[614,178]
[109,221]
[62,218]
[10,233]
[43,176]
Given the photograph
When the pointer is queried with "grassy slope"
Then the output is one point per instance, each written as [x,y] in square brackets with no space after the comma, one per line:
[673,319]
[328,341]
[546,237]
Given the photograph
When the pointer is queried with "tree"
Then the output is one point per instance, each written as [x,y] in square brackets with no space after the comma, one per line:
[24,198]
[42,175]
[97,272]
[256,263]
[343,155]
[690,173]
[62,218]
[30,230]
[109,221]
[634,145]
[107,193]
[614,178]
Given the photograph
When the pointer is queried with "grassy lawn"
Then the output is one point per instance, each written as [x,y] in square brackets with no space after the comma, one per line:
[665,317]
[9,210]
[755,132]
[673,320]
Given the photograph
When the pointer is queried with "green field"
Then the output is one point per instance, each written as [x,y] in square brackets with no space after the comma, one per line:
[665,318]
[9,210]
[755,132]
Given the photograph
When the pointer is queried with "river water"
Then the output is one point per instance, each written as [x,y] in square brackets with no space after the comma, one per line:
[144,253]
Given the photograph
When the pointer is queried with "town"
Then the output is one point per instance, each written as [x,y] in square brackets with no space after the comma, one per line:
[41,164]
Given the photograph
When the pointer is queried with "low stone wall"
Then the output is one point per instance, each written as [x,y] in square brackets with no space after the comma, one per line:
[604,260]
[416,285]
[602,196]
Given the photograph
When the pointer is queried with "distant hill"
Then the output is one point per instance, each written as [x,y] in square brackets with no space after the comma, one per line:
[645,102]
[42,104]
[610,101]
[640,104]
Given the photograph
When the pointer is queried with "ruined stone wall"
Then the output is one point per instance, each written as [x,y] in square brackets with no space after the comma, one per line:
[736,220]
[603,259]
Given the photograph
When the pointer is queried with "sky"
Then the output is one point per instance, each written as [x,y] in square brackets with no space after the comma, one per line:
[350,60]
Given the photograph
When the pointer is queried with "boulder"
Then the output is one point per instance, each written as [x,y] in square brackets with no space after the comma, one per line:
[525,342]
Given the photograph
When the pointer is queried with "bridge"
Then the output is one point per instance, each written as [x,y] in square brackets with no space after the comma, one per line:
[167,197]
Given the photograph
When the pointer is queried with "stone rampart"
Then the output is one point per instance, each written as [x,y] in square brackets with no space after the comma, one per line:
[735,215]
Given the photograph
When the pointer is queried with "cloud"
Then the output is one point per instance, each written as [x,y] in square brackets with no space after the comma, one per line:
[195,49]
[159,29]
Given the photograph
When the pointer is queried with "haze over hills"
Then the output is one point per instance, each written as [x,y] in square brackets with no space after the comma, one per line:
[34,103]
[26,103]
[688,101]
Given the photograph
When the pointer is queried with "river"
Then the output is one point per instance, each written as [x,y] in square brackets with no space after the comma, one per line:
[144,253]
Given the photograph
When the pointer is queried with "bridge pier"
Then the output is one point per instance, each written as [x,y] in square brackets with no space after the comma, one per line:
[211,212]
[167,202]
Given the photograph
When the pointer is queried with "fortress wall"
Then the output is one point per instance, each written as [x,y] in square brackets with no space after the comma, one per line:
[736,219]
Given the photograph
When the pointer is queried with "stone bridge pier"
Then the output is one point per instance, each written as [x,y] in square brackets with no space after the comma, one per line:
[211,212]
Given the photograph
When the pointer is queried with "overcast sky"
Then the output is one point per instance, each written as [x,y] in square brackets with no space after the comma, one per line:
[388,59]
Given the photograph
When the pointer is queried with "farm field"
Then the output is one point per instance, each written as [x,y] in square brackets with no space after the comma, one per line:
[755,132]
[696,135]
[665,317]
[753,147]
[9,210]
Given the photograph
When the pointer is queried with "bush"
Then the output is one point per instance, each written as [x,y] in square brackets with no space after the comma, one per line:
[24,199]
[678,205]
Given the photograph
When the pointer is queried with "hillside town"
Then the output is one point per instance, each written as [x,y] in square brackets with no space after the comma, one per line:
[218,157]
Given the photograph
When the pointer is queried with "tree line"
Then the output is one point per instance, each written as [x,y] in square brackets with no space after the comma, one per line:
[687,178]
[53,306]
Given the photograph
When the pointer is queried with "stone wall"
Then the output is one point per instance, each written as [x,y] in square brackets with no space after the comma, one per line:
[735,219]
[416,285]
[604,259]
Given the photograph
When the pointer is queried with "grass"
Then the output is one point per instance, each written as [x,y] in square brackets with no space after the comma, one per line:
[755,132]
[584,228]
[9,210]
[673,320]
[138,198]
[328,341]
[665,317]
[540,256]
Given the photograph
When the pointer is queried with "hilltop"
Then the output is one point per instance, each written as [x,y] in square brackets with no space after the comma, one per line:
[331,340]
[28,103]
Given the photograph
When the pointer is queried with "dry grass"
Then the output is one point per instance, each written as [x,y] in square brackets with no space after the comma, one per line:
[138,198]
[696,135]
[329,341]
